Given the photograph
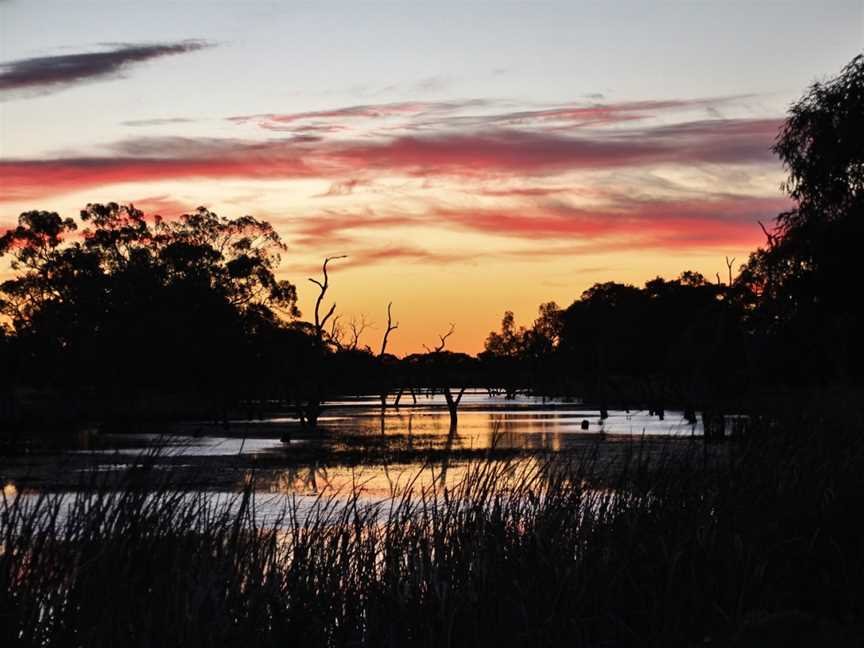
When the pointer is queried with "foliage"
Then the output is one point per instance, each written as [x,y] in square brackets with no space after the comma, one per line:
[804,280]
[126,303]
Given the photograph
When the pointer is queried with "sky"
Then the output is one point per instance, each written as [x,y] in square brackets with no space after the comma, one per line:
[468,158]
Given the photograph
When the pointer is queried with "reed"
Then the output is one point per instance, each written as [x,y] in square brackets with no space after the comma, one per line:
[758,546]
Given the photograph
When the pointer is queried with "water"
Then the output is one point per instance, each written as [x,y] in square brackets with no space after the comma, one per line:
[354,446]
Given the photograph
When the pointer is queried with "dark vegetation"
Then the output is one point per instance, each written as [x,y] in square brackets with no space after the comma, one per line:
[759,549]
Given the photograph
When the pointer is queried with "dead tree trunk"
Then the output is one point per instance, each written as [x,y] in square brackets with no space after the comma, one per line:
[384,383]
[453,405]
[729,263]
[311,410]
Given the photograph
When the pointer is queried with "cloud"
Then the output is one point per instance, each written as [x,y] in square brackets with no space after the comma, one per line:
[688,219]
[372,256]
[342,188]
[423,116]
[152,159]
[522,192]
[338,226]
[275,121]
[45,74]
[537,153]
[708,221]
[163,205]
[361,257]
[511,153]
[159,121]
[599,113]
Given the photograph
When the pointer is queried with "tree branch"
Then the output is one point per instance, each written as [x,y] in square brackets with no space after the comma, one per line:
[443,338]
[319,323]
[390,328]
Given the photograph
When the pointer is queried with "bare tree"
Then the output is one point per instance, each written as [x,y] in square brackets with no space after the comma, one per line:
[440,347]
[320,322]
[390,328]
[729,263]
[357,327]
[336,333]
[452,402]
[309,411]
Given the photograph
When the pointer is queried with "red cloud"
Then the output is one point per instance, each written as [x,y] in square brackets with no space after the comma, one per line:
[723,220]
[715,221]
[525,152]
[146,160]
[495,152]
[332,227]
[362,257]
[164,206]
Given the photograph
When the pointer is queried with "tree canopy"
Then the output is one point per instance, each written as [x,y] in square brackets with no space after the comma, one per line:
[122,298]
[804,282]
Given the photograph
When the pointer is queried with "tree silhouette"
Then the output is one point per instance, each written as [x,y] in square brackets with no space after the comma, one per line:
[804,280]
[123,304]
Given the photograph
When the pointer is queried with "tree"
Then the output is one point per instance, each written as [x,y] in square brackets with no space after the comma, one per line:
[803,282]
[128,303]
[821,147]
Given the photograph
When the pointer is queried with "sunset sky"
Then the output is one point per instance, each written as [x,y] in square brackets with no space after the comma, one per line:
[467,157]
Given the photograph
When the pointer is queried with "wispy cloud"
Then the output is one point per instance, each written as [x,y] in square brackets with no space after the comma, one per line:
[158,121]
[482,114]
[144,160]
[342,188]
[531,152]
[706,219]
[348,163]
[289,121]
[44,74]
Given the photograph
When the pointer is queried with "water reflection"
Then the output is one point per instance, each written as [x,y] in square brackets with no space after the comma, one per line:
[383,482]
[386,448]
[524,423]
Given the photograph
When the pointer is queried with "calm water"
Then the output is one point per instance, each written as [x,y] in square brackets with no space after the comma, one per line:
[419,447]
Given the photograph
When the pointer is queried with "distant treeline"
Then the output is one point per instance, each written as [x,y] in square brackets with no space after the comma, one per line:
[116,312]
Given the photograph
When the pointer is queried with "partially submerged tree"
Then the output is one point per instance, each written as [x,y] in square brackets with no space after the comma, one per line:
[310,390]
[449,377]
[386,366]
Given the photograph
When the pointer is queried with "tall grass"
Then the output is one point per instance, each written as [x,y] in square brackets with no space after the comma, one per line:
[757,547]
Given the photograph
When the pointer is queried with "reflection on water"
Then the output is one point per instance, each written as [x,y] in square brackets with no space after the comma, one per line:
[522,423]
[484,422]
[414,443]
[303,494]
[381,481]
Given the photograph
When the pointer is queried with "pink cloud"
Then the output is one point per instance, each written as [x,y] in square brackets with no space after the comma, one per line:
[491,153]
[712,221]
[543,153]
[164,206]
[152,160]
[724,219]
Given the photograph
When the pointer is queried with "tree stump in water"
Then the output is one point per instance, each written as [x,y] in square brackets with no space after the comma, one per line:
[714,424]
